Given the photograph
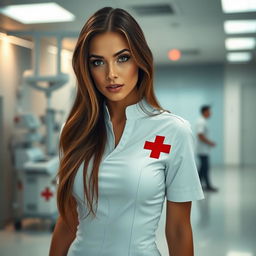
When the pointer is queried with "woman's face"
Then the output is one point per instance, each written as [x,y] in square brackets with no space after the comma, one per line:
[113,68]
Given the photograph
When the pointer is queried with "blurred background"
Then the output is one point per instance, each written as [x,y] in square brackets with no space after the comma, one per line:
[204,54]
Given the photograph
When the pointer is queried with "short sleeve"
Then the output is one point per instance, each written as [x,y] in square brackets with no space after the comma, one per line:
[182,180]
[200,127]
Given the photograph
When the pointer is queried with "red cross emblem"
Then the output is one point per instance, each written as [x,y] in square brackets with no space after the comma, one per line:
[157,147]
[47,194]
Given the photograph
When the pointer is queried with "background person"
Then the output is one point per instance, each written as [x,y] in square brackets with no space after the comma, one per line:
[203,148]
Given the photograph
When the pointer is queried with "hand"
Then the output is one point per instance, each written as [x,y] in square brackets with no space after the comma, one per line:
[212,144]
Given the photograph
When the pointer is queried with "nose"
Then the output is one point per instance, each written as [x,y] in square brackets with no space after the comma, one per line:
[112,72]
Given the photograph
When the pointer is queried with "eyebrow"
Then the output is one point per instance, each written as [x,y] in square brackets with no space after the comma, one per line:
[101,57]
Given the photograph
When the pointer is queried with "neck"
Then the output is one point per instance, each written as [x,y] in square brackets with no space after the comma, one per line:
[117,108]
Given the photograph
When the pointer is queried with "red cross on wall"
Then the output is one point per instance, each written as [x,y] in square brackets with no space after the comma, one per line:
[47,194]
[157,147]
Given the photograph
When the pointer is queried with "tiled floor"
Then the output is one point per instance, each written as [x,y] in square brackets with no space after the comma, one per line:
[224,224]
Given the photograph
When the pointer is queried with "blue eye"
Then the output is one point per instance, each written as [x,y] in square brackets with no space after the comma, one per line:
[124,58]
[97,63]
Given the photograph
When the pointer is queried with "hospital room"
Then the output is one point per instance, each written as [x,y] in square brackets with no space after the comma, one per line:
[164,91]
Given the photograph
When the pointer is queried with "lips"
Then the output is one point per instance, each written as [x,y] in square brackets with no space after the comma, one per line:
[113,86]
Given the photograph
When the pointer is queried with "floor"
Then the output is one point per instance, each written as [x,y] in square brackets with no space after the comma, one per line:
[223,224]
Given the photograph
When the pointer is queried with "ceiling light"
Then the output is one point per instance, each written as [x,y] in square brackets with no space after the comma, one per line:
[240,43]
[239,56]
[37,13]
[234,6]
[240,26]
[235,253]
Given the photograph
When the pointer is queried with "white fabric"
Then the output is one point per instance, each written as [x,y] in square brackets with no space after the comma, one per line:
[133,185]
[202,127]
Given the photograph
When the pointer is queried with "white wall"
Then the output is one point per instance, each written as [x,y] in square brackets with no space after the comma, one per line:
[235,77]
[2,177]
[14,60]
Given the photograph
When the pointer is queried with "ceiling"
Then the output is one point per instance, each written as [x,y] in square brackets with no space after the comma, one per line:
[195,26]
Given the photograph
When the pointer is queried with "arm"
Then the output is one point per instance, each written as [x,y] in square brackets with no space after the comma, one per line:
[205,140]
[178,229]
[63,236]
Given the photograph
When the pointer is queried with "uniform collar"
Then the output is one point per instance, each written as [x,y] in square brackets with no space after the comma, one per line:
[134,111]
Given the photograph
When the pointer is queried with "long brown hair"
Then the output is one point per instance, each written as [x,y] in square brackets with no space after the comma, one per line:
[84,134]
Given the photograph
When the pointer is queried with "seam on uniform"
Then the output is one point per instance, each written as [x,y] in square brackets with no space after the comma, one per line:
[123,140]
[105,225]
[134,211]
[178,117]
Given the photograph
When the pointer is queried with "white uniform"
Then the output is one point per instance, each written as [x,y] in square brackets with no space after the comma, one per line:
[202,127]
[153,160]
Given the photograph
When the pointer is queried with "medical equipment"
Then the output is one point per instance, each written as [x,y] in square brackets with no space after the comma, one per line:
[35,156]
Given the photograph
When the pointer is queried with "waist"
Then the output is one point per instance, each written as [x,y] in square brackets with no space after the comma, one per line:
[78,248]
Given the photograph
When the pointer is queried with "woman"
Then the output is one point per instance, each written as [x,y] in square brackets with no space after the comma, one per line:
[121,154]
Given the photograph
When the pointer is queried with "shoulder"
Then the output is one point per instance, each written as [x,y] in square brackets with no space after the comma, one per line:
[175,124]
[172,119]
[201,120]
